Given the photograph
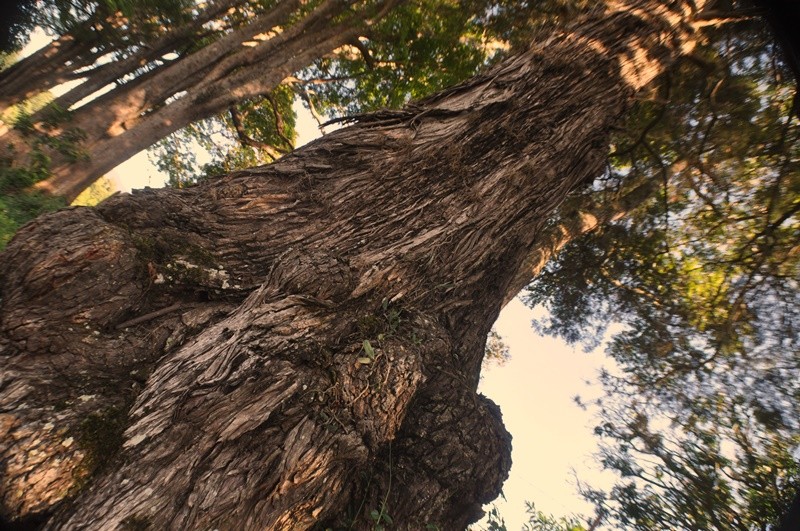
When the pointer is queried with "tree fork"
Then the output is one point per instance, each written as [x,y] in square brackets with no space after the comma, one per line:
[336,307]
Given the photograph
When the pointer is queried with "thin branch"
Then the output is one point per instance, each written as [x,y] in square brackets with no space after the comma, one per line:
[665,184]
[279,124]
[642,136]
[149,316]
[717,17]
[306,97]
[320,80]
[361,47]
[246,140]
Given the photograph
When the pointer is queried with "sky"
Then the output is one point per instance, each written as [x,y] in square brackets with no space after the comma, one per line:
[553,438]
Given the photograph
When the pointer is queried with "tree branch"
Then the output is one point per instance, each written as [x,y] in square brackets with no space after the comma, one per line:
[306,97]
[246,140]
[279,124]
[361,47]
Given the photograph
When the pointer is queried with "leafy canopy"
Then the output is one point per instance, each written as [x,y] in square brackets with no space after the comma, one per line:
[699,416]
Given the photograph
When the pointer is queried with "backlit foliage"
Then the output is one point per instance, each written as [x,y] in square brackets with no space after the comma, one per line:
[700,419]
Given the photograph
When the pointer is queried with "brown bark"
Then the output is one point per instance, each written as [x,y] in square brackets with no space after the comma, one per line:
[66,58]
[44,69]
[109,148]
[575,218]
[174,40]
[319,322]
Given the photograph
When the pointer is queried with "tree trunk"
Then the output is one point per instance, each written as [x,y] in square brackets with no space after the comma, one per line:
[110,148]
[44,69]
[299,344]
[576,218]
[68,57]
[248,62]
[173,40]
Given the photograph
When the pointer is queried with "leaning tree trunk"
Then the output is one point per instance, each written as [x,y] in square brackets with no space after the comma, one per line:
[74,55]
[246,63]
[300,344]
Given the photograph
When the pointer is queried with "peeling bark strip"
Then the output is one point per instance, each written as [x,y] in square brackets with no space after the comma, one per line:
[325,359]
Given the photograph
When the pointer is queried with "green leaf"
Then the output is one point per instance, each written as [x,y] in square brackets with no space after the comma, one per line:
[368,349]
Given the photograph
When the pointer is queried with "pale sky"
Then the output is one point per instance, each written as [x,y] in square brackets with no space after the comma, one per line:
[552,436]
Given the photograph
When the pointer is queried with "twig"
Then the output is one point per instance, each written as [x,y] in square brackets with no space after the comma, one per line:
[148,316]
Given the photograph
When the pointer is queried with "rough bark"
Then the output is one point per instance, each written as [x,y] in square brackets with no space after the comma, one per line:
[574,219]
[300,344]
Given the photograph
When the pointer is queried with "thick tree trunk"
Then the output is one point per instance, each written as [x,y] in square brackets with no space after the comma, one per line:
[68,57]
[110,148]
[300,344]
[44,69]
[173,40]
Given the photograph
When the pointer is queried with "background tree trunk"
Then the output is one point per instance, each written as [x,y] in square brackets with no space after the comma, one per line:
[246,63]
[65,58]
[300,343]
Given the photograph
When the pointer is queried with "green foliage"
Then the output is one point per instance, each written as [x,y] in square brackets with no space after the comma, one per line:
[377,328]
[425,46]
[19,203]
[268,130]
[494,521]
[21,207]
[380,519]
[15,25]
[369,351]
[100,190]
[537,521]
[496,351]
[19,116]
[109,24]
[7,59]
[418,48]
[699,418]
